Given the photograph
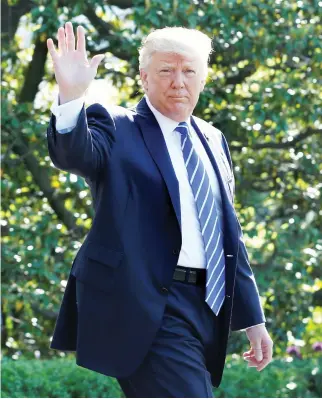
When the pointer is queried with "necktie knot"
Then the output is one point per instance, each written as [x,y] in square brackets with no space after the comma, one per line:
[183,129]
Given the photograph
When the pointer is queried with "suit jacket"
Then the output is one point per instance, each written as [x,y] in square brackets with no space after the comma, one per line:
[128,258]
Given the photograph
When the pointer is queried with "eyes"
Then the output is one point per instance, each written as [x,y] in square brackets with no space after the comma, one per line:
[167,71]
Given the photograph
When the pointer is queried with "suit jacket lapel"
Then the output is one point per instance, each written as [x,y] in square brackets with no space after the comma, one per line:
[215,155]
[231,240]
[157,147]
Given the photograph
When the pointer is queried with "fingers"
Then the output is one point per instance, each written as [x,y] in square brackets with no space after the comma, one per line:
[258,354]
[61,41]
[66,38]
[96,60]
[256,348]
[248,354]
[66,41]
[81,43]
[267,355]
[70,38]
[250,357]
[260,365]
[261,352]
[263,364]
[52,50]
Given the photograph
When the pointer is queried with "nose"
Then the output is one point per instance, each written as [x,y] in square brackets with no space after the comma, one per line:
[178,80]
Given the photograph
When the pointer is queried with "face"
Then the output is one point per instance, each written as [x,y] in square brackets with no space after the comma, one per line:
[173,83]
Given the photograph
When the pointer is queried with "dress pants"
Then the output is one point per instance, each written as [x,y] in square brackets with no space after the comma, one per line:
[176,363]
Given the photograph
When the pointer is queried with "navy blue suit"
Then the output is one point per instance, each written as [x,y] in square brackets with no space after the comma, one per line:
[127,260]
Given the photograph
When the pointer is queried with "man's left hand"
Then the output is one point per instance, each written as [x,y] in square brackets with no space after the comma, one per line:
[261,352]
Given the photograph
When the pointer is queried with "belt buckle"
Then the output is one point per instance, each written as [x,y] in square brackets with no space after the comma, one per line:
[192,277]
[180,274]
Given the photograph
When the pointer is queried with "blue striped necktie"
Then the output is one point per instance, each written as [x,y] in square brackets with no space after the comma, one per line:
[208,218]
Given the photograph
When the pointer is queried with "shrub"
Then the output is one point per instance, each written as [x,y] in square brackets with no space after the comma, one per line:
[57,378]
[62,378]
[281,379]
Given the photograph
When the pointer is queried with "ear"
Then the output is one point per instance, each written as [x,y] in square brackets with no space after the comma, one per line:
[144,80]
[202,84]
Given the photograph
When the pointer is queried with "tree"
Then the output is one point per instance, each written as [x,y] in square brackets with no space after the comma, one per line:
[262,92]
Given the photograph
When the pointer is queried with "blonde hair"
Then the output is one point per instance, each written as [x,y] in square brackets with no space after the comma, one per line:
[177,40]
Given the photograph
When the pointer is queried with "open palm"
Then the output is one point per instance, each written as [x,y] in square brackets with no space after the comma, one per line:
[73,71]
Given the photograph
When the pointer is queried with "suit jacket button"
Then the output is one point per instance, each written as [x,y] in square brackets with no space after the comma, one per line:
[175,252]
[164,290]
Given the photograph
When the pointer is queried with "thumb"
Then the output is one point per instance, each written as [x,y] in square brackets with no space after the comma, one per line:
[257,348]
[96,60]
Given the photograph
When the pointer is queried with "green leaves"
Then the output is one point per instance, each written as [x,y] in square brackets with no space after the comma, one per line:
[62,378]
[263,92]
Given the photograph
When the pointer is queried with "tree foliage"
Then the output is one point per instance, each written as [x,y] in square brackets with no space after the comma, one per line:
[263,92]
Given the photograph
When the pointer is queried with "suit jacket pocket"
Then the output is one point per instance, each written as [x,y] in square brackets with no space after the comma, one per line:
[98,266]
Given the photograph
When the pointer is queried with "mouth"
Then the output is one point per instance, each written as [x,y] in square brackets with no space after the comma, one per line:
[178,97]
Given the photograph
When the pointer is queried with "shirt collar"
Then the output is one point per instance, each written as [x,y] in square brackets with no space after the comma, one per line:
[166,124]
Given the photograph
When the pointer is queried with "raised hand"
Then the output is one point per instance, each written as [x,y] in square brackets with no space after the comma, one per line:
[73,71]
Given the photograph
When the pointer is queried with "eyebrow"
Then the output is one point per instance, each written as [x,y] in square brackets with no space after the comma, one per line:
[166,63]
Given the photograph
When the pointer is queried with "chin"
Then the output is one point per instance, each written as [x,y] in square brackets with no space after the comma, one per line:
[180,110]
[178,116]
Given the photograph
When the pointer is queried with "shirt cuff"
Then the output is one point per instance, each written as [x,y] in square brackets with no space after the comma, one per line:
[260,324]
[67,114]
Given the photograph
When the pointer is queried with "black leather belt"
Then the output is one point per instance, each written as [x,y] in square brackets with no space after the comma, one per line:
[190,275]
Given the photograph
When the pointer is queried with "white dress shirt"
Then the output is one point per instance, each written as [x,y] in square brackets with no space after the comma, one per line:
[67,114]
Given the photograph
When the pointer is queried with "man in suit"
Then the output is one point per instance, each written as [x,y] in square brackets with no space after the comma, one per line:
[163,274]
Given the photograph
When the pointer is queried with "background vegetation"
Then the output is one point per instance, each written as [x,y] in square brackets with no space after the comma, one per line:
[61,378]
[263,92]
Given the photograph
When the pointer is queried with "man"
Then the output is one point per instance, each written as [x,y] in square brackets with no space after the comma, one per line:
[163,274]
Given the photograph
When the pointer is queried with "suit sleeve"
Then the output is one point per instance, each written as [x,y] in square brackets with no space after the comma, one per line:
[247,310]
[86,149]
